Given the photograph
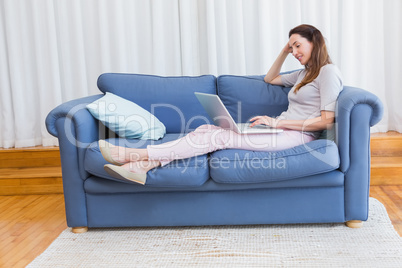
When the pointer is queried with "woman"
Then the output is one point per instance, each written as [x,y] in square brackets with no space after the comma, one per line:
[311,110]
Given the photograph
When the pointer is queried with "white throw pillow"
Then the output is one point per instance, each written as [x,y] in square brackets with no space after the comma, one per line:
[126,118]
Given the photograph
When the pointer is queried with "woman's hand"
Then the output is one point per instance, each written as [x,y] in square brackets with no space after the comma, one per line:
[325,121]
[264,120]
[273,75]
[287,49]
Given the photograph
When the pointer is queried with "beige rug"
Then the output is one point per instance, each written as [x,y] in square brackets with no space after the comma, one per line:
[376,244]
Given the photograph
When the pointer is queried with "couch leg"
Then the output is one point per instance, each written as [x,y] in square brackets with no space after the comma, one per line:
[79,230]
[354,224]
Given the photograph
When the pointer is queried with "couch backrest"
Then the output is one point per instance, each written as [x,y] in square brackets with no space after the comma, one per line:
[170,99]
[248,96]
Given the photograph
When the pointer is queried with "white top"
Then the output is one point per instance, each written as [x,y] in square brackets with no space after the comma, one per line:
[319,95]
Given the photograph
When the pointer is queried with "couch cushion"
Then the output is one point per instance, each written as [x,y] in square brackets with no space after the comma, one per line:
[181,173]
[126,118]
[248,96]
[96,185]
[170,99]
[242,166]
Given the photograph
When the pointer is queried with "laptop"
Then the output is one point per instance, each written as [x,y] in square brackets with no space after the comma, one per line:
[221,117]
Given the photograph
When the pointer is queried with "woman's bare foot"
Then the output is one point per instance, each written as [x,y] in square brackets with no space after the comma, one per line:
[142,166]
[126,155]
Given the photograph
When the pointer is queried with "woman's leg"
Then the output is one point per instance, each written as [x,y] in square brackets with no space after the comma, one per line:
[209,138]
[206,139]
[203,140]
[194,143]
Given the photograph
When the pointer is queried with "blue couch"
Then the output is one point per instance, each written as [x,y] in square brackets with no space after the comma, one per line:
[323,181]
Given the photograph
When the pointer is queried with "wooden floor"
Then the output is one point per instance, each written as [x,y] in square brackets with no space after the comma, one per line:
[29,223]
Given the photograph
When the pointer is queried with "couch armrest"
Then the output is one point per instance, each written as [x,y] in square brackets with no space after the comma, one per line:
[68,110]
[349,126]
[75,128]
[357,110]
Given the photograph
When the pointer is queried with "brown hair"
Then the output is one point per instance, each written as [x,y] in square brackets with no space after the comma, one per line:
[319,54]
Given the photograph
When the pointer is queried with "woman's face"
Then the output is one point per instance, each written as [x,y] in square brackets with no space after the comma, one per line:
[301,48]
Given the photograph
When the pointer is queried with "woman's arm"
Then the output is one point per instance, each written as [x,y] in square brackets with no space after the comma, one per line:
[273,76]
[325,121]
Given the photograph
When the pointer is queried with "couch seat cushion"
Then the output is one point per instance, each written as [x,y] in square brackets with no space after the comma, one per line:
[96,185]
[181,173]
[242,166]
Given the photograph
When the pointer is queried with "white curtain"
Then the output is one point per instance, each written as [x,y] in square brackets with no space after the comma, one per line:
[52,51]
